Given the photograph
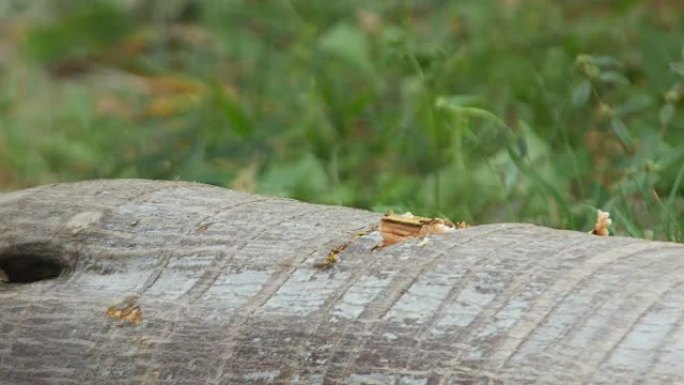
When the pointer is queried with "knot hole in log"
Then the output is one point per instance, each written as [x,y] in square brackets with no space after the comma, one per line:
[32,263]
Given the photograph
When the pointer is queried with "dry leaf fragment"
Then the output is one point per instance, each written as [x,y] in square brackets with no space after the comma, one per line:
[397,228]
[109,105]
[166,106]
[172,85]
[127,311]
[602,222]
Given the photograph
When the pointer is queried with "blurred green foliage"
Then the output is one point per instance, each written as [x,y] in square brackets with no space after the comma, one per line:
[480,110]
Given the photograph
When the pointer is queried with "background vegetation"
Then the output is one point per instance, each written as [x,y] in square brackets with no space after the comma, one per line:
[480,110]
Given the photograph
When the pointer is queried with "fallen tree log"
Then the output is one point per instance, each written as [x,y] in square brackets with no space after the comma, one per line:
[224,291]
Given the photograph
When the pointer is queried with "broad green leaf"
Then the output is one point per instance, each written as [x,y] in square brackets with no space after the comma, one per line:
[621,131]
[613,77]
[303,177]
[677,67]
[581,93]
[606,61]
[347,43]
[634,104]
[666,114]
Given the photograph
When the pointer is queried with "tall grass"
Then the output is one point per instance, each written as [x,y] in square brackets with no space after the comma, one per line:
[484,111]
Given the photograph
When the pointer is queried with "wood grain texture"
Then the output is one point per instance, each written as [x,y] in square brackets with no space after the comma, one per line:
[229,295]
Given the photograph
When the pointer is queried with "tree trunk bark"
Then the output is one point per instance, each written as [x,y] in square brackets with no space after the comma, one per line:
[227,293]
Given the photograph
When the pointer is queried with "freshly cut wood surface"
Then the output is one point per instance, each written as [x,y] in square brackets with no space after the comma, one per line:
[227,292]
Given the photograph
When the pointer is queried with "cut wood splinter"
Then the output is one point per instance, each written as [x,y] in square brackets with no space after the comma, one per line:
[397,228]
[603,221]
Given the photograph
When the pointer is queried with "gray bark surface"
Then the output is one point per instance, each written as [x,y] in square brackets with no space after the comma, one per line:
[229,295]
